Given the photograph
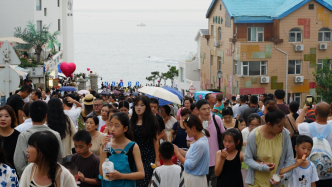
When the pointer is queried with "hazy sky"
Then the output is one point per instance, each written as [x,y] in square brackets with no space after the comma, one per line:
[141,4]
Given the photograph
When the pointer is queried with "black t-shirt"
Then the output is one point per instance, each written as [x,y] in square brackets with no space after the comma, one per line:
[181,136]
[16,102]
[161,122]
[9,145]
[89,167]
[284,108]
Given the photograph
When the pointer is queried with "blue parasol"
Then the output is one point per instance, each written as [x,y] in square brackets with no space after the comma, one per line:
[161,101]
[67,88]
[174,91]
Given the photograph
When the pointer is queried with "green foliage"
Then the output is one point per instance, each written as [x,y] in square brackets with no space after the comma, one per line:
[25,63]
[170,74]
[36,38]
[53,41]
[323,80]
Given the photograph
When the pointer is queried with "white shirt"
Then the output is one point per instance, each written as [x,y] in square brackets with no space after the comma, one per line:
[169,125]
[235,109]
[304,130]
[245,133]
[303,177]
[101,123]
[166,176]
[27,99]
[25,125]
[73,114]
[46,99]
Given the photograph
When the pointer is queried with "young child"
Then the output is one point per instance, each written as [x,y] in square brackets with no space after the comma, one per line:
[229,159]
[304,171]
[254,120]
[168,174]
[71,166]
[125,154]
[86,161]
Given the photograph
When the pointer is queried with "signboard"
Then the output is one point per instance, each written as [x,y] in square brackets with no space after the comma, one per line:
[56,83]
[192,90]
[36,72]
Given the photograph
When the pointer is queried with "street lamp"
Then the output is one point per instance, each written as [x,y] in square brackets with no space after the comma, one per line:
[219,74]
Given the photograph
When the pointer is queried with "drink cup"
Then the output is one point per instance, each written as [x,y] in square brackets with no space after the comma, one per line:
[108,145]
[275,179]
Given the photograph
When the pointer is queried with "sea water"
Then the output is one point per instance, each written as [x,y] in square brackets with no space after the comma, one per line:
[110,43]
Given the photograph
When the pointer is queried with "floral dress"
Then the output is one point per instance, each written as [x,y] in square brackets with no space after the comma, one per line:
[8,177]
[148,156]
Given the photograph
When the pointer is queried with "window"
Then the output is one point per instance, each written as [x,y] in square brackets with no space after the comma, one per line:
[294,67]
[220,33]
[324,35]
[311,6]
[45,11]
[220,6]
[211,30]
[255,34]
[297,98]
[219,63]
[181,74]
[235,68]
[38,4]
[295,35]
[320,63]
[59,28]
[211,60]
[253,68]
[58,3]
[39,26]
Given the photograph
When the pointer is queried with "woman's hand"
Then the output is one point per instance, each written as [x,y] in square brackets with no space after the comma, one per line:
[305,108]
[105,140]
[271,166]
[176,150]
[224,154]
[81,176]
[244,143]
[114,175]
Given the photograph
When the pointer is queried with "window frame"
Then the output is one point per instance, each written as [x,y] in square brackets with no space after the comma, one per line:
[58,3]
[219,33]
[182,74]
[261,65]
[40,3]
[297,62]
[257,34]
[320,62]
[40,25]
[295,96]
[59,25]
[219,62]
[45,11]
[295,32]
[323,34]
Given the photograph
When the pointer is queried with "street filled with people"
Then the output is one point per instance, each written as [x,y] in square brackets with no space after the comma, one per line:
[129,139]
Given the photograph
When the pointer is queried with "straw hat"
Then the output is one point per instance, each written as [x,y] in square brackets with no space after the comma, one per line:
[88,99]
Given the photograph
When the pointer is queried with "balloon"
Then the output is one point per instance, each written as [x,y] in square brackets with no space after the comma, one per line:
[88,69]
[67,68]
[71,75]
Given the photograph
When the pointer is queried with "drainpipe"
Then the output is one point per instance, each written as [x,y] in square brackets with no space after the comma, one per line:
[233,60]
[275,46]
[207,44]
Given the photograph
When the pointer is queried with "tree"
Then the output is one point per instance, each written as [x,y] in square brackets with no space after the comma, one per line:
[171,73]
[53,41]
[35,38]
[154,76]
[323,80]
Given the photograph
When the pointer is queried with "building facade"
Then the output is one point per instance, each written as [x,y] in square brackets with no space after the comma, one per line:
[266,45]
[57,13]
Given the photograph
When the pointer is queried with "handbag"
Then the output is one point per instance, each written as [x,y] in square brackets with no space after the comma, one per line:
[219,135]
[293,138]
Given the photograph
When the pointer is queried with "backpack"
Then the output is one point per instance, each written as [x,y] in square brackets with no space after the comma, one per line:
[321,154]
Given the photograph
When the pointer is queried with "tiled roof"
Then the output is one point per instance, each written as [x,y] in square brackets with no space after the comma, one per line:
[245,11]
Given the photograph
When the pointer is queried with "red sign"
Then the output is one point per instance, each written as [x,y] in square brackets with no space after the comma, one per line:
[245,91]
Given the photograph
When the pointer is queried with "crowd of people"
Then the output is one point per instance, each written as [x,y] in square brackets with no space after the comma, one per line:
[248,140]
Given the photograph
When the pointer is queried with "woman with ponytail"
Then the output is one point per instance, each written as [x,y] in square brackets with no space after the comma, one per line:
[43,170]
[196,159]
[268,150]
[290,122]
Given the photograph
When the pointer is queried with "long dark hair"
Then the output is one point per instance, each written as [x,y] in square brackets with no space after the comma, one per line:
[193,120]
[47,147]
[3,159]
[12,114]
[57,120]
[236,135]
[149,123]
[88,109]
[294,107]
[125,122]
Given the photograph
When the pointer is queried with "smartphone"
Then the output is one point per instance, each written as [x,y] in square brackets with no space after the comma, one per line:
[309,100]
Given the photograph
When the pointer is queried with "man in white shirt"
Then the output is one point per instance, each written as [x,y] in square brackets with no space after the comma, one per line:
[322,111]
[27,122]
[236,108]
[73,114]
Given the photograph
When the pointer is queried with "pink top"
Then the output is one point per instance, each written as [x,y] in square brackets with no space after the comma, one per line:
[179,113]
[213,139]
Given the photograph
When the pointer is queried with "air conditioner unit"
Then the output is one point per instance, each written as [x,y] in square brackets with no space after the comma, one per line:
[265,80]
[299,47]
[216,44]
[299,79]
[323,46]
